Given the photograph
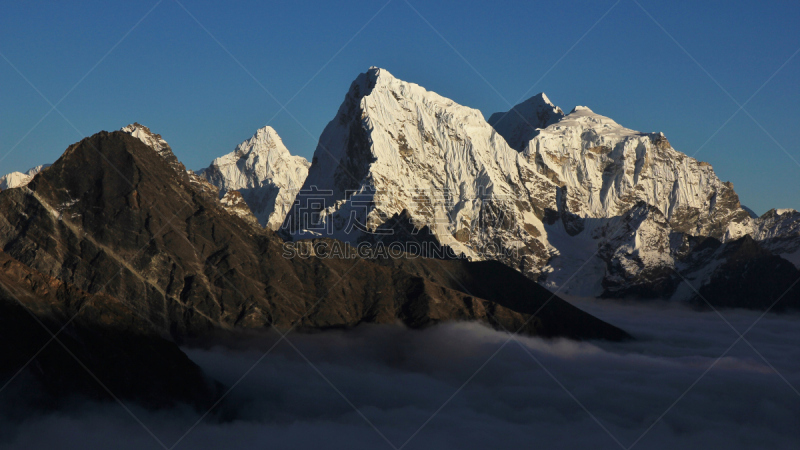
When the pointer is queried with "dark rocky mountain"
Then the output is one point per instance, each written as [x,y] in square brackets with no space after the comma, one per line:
[143,256]
[64,337]
[740,274]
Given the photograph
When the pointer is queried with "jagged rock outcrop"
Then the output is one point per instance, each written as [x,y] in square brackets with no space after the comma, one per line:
[234,203]
[156,142]
[737,274]
[263,171]
[627,205]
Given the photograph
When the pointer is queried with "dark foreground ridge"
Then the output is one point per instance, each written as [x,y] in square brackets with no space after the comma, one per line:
[146,257]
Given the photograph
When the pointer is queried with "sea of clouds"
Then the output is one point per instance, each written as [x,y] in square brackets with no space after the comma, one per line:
[466,386]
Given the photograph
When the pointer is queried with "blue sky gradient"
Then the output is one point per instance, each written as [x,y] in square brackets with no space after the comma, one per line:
[171,75]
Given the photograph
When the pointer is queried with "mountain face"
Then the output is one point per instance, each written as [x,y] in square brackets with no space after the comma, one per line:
[641,207]
[778,231]
[19,179]
[395,147]
[143,253]
[576,201]
[99,336]
[231,200]
[630,197]
[263,171]
[604,169]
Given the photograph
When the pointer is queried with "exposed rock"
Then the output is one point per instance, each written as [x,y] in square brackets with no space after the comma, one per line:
[234,202]
[739,274]
[102,339]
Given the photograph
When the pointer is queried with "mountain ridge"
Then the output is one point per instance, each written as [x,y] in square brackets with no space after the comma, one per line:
[572,187]
[146,254]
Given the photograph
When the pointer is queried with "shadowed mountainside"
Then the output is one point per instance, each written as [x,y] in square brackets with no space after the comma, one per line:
[145,257]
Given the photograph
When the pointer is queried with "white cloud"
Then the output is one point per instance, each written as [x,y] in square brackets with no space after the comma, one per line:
[398,378]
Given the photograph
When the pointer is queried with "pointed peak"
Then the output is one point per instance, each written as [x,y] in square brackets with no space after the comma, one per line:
[373,77]
[134,127]
[521,123]
[265,142]
[375,73]
[267,131]
[539,99]
[156,142]
[143,133]
[264,139]
[581,110]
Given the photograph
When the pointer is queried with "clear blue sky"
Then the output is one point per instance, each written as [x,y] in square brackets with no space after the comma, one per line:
[169,74]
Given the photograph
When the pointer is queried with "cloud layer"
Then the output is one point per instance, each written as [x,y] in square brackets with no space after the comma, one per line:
[531,392]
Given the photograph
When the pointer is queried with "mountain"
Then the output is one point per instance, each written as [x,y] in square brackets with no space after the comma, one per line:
[576,202]
[100,347]
[778,230]
[156,142]
[394,146]
[142,253]
[650,215]
[230,200]
[19,179]
[738,274]
[604,169]
[522,123]
[263,171]
[606,173]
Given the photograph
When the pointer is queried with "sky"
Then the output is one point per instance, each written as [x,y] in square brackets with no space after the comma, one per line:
[206,75]
[686,382]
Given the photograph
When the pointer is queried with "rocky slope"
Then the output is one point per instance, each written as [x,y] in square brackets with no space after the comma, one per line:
[264,172]
[100,338]
[230,200]
[114,222]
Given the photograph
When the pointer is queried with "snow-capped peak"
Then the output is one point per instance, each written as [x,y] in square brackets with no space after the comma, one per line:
[156,142]
[395,148]
[606,168]
[19,179]
[521,123]
[581,109]
[264,172]
[141,132]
